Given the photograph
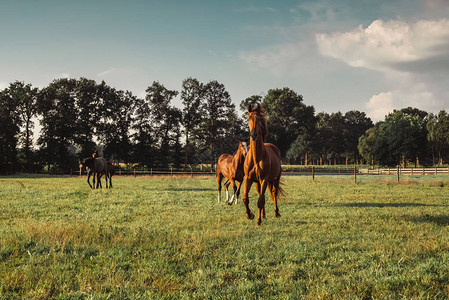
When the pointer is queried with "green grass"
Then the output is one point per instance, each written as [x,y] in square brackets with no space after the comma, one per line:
[169,238]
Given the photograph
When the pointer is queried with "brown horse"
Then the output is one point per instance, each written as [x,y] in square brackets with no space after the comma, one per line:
[108,172]
[231,167]
[262,165]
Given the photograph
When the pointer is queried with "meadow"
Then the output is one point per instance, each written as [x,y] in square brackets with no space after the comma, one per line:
[157,237]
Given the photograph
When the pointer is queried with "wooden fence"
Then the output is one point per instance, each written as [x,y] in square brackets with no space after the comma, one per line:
[307,171]
[406,171]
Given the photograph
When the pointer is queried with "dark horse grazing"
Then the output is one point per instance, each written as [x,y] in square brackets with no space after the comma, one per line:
[231,167]
[262,164]
[95,166]
[108,172]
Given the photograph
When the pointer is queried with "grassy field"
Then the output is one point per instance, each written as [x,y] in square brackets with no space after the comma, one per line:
[169,238]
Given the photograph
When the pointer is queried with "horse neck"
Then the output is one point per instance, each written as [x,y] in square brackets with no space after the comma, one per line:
[257,149]
[239,157]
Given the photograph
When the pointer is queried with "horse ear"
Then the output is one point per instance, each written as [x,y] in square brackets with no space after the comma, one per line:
[250,109]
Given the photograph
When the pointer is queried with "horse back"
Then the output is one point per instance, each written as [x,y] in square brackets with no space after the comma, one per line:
[225,165]
[100,164]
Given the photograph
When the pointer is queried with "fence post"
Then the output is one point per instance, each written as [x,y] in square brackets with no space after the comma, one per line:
[355,175]
[70,172]
[313,172]
[171,172]
[191,171]
[398,173]
[151,172]
[134,172]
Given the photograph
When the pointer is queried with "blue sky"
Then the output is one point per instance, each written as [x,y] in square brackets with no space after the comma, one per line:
[373,56]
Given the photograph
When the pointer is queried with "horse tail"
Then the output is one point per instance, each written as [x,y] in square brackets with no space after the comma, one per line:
[276,189]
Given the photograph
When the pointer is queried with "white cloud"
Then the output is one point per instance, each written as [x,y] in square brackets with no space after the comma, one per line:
[379,105]
[417,96]
[413,57]
[382,44]
[277,59]
[63,75]
[105,72]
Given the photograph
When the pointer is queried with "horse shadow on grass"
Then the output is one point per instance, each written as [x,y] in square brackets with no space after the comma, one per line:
[381,205]
[442,220]
[189,189]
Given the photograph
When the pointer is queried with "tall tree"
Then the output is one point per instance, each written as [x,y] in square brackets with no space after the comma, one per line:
[57,108]
[356,123]
[402,137]
[219,122]
[25,96]
[117,116]
[438,135]
[166,120]
[191,96]
[88,111]
[330,128]
[10,123]
[143,134]
[366,143]
[287,117]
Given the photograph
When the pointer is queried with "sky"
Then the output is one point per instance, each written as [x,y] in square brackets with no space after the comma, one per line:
[340,55]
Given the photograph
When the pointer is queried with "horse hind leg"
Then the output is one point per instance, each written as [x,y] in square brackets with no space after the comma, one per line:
[275,188]
[219,179]
[229,182]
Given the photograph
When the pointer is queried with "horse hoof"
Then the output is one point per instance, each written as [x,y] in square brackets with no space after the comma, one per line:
[259,221]
[250,216]
[277,215]
[229,203]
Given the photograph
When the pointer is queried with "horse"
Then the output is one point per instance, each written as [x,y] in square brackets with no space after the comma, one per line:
[108,172]
[262,165]
[231,167]
[95,166]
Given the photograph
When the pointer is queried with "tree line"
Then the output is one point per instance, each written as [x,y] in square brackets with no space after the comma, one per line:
[80,116]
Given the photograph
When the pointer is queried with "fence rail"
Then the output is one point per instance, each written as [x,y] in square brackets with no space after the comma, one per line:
[307,171]
[406,171]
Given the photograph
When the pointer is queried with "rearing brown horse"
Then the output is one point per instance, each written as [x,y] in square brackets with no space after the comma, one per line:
[262,164]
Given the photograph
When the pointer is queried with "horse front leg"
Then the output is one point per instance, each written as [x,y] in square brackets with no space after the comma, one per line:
[239,185]
[245,199]
[99,180]
[261,201]
[88,180]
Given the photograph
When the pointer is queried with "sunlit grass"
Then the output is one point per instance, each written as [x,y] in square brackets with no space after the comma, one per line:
[162,237]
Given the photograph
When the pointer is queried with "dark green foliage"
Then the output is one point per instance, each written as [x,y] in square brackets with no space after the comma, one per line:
[401,137]
[80,116]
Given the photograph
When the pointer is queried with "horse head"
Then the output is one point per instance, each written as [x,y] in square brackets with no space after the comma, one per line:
[257,122]
[243,148]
